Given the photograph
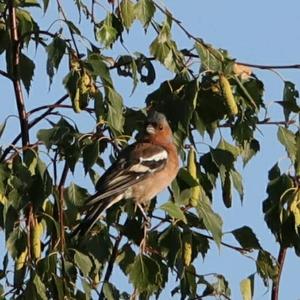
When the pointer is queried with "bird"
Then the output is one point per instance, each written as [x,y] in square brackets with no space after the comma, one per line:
[141,171]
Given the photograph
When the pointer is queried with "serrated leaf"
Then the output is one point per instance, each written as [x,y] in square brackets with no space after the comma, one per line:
[247,288]
[174,211]
[76,194]
[211,59]
[106,33]
[290,95]
[250,148]
[46,4]
[40,287]
[267,266]
[27,67]
[145,10]
[115,116]
[212,221]
[145,274]
[56,50]
[90,154]
[83,262]
[246,238]
[127,13]
[110,291]
[125,258]
[170,244]
[224,145]
[287,139]
[237,181]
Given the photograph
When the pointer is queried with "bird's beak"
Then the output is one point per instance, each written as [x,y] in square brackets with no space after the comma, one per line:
[150,129]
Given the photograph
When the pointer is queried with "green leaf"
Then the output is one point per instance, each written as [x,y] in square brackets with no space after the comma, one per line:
[145,274]
[211,220]
[170,243]
[125,258]
[16,243]
[290,95]
[27,67]
[288,140]
[40,287]
[110,291]
[76,195]
[46,4]
[174,211]
[224,145]
[97,64]
[267,267]
[145,10]
[83,262]
[249,149]
[246,238]
[211,59]
[73,28]
[237,181]
[56,50]
[90,154]
[127,13]
[106,33]
[247,288]
[226,189]
[115,116]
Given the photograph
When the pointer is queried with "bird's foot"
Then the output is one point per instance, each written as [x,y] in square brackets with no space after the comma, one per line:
[146,226]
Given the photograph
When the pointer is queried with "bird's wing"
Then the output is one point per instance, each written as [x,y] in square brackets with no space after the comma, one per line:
[133,165]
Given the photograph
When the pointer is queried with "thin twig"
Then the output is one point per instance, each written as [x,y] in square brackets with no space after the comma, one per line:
[280,260]
[70,30]
[31,124]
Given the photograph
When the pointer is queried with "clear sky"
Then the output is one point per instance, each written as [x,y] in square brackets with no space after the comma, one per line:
[259,32]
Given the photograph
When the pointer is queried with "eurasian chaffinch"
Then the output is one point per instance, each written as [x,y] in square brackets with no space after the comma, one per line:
[141,171]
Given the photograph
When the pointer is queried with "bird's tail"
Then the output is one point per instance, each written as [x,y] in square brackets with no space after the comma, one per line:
[91,218]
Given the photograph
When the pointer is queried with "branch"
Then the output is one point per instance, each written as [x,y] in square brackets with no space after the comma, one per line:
[4,74]
[275,287]
[31,124]
[239,249]
[15,52]
[61,205]
[111,264]
[265,67]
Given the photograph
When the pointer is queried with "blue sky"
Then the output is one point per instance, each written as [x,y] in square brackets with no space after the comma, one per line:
[258,32]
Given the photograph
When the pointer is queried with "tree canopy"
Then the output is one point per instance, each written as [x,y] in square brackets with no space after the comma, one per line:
[215,106]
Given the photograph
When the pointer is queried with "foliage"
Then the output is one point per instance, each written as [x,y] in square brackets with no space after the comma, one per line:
[39,205]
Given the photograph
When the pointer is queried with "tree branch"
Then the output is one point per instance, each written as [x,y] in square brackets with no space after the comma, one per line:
[110,264]
[61,205]
[275,287]
[15,52]
[32,123]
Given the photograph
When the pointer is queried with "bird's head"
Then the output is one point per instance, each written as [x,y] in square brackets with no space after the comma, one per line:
[157,127]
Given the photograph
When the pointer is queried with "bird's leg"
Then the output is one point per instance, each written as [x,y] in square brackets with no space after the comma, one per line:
[146,226]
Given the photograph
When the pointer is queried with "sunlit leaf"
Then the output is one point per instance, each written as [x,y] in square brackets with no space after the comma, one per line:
[173,211]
